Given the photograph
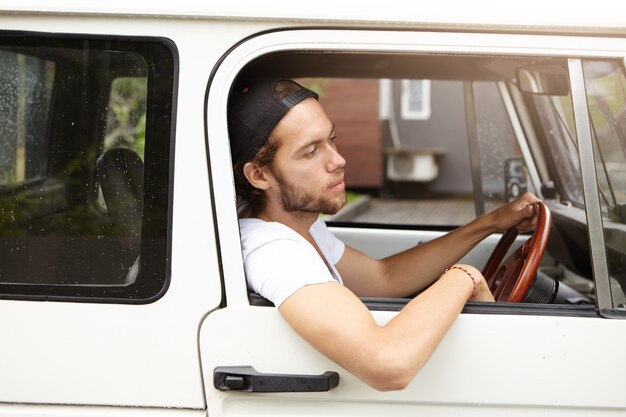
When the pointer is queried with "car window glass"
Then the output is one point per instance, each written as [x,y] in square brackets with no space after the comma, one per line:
[25,92]
[556,117]
[569,238]
[502,169]
[92,124]
[606,91]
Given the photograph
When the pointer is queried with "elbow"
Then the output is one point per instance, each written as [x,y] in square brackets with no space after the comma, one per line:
[395,383]
[390,373]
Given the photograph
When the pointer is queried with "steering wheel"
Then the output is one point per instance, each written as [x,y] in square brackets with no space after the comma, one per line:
[510,280]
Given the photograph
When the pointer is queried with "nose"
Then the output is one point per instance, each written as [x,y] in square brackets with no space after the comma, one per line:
[335,160]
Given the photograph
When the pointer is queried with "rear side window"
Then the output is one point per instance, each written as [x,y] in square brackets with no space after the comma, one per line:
[85,138]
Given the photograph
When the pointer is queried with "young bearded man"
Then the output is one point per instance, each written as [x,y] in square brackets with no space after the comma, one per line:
[288,171]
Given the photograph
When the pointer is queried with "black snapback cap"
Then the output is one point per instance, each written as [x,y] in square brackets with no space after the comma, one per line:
[253,112]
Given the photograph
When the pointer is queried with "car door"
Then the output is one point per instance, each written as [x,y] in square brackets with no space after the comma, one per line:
[496,358]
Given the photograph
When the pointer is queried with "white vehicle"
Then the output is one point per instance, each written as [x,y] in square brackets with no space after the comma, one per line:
[122,289]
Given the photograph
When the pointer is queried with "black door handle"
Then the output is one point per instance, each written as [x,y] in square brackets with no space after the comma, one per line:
[247,379]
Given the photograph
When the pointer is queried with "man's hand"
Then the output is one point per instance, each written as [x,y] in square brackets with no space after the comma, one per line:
[520,213]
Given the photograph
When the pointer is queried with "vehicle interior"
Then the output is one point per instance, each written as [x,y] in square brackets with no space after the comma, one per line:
[531,96]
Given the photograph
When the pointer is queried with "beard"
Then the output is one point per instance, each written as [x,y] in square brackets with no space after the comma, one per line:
[299,199]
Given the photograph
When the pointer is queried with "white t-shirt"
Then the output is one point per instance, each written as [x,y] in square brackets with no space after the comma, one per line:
[278,261]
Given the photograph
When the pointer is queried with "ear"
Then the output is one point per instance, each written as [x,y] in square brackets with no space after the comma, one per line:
[256,176]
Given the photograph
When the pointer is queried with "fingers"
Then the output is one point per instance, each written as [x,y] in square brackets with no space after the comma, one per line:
[520,213]
[528,201]
[528,209]
[526,226]
[529,215]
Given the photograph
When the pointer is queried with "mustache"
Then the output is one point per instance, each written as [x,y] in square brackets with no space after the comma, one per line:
[339,176]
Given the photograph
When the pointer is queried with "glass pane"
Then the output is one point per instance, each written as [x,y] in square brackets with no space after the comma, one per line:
[556,117]
[78,231]
[503,172]
[606,92]
[415,99]
[25,91]
[569,237]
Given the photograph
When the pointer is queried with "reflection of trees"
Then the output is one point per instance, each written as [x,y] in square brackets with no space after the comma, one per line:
[25,91]
[126,119]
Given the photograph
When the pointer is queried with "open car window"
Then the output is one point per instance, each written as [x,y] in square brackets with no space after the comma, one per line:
[432,141]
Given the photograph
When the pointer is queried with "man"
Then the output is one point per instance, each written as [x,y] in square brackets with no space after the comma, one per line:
[288,171]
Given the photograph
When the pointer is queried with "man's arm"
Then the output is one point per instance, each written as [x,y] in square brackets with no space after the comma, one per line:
[388,357]
[385,357]
[414,269]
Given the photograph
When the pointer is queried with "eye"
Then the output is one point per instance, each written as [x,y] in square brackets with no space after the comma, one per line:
[311,153]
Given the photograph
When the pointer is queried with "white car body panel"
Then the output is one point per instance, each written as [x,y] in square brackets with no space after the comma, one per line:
[487,364]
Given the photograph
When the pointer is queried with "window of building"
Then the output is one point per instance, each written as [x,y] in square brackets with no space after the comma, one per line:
[415,99]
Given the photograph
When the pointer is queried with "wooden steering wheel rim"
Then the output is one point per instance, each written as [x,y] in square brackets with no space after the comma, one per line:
[510,280]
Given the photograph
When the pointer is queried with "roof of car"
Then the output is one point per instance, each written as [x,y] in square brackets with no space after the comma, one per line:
[525,16]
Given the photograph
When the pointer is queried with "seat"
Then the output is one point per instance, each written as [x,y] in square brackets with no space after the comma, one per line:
[119,172]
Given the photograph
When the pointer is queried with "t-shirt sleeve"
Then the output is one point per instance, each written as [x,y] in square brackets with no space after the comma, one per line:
[276,270]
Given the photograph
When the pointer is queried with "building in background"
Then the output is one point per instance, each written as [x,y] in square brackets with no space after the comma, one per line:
[408,138]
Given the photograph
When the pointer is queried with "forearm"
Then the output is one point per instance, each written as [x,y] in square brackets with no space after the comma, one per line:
[414,269]
[414,334]
[385,357]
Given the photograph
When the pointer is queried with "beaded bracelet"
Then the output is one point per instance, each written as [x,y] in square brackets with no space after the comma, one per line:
[466,271]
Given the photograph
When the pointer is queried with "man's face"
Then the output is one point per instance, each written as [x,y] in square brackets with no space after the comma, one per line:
[307,169]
